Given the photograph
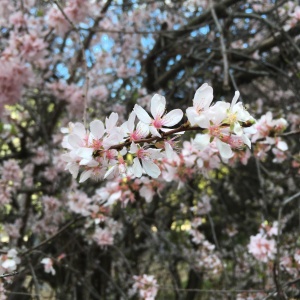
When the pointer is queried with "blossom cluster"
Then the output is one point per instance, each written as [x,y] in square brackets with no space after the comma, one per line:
[146,286]
[10,180]
[13,76]
[135,147]
[75,10]
[263,246]
[48,265]
[205,256]
[267,137]
[9,261]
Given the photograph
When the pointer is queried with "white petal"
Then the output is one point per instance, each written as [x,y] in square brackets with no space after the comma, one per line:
[154,153]
[142,129]
[235,98]
[142,114]
[172,118]
[191,114]
[137,168]
[250,130]
[154,131]
[109,171]
[203,97]
[111,121]
[201,141]
[123,151]
[75,141]
[85,175]
[84,162]
[169,151]
[133,148]
[281,145]
[9,264]
[158,105]
[237,129]
[85,152]
[246,141]
[97,129]
[113,198]
[130,122]
[79,129]
[151,168]
[224,149]
[92,163]
[202,120]
[73,169]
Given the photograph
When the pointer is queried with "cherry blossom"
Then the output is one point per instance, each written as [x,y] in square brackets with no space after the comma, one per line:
[158,107]
[9,261]
[144,161]
[151,192]
[201,102]
[48,265]
[146,286]
[263,249]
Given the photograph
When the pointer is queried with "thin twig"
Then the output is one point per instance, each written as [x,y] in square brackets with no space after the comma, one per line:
[36,283]
[85,68]
[9,274]
[290,133]
[181,129]
[278,252]
[223,47]
[234,83]
[53,236]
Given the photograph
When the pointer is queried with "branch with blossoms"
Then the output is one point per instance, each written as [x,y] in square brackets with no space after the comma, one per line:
[101,151]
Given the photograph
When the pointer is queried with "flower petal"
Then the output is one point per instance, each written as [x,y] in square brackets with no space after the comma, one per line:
[85,152]
[281,145]
[235,98]
[109,171]
[97,129]
[172,118]
[191,115]
[154,131]
[151,168]
[142,129]
[133,148]
[75,141]
[85,175]
[158,105]
[203,97]
[137,168]
[202,120]
[111,121]
[224,149]
[79,129]
[130,122]
[246,140]
[142,114]
[237,129]
[73,169]
[201,141]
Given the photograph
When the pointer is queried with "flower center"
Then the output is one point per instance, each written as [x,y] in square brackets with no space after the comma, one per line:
[232,118]
[141,153]
[214,131]
[157,123]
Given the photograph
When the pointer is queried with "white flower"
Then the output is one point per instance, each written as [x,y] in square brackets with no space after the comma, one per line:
[201,102]
[142,129]
[9,262]
[158,107]
[215,131]
[48,265]
[146,156]
[237,114]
